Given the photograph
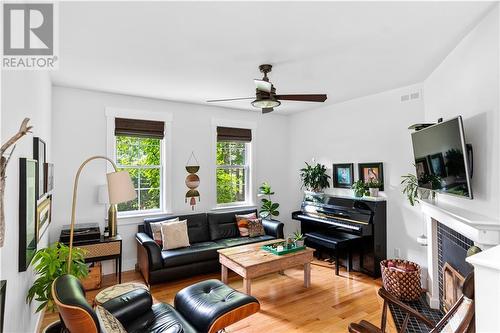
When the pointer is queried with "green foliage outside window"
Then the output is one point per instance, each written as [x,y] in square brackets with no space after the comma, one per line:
[231,172]
[141,157]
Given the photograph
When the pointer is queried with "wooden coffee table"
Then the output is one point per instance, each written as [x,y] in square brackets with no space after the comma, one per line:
[250,261]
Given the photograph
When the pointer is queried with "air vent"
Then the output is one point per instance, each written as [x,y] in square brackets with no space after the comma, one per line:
[411,96]
[405,98]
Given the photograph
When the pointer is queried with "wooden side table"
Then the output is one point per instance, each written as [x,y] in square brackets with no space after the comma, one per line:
[109,248]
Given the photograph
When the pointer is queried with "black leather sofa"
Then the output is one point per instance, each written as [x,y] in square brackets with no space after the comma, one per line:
[208,232]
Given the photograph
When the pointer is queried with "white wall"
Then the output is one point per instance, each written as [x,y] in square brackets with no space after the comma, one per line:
[79,131]
[467,83]
[24,94]
[367,129]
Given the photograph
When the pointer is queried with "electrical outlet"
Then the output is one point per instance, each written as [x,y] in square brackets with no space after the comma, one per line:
[397,252]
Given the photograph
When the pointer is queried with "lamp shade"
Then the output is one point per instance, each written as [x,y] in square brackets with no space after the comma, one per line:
[120,187]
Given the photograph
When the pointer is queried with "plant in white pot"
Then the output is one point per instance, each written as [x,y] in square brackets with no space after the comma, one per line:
[299,238]
[374,187]
[314,178]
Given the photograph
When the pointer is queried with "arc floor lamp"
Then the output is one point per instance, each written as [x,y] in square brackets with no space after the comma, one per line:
[120,189]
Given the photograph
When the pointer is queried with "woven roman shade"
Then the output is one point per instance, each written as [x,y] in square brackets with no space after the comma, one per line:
[234,134]
[141,128]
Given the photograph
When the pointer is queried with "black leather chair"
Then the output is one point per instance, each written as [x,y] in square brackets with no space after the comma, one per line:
[207,306]
[207,233]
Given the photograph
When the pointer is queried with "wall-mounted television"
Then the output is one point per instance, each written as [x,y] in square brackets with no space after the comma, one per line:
[442,159]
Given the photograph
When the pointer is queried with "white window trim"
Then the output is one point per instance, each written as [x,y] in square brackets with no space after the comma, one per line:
[250,195]
[167,117]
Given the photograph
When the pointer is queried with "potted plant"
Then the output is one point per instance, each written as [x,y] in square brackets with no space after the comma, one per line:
[373,187]
[314,178]
[359,188]
[268,208]
[50,263]
[299,238]
[414,192]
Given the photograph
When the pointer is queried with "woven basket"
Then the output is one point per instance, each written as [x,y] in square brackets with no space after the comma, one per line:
[403,285]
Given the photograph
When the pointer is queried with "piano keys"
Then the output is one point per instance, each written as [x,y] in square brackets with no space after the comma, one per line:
[363,217]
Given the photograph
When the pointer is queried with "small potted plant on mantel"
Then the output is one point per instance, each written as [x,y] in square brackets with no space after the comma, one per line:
[373,187]
[314,178]
[414,192]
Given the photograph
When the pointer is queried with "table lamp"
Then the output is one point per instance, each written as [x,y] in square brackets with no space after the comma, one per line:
[120,189]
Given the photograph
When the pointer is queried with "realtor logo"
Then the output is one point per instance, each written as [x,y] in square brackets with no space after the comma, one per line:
[28,36]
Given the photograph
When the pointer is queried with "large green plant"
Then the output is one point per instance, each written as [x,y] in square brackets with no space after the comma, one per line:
[50,263]
[314,178]
[410,188]
[268,208]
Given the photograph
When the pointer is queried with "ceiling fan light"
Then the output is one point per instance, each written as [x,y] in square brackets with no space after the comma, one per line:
[266,103]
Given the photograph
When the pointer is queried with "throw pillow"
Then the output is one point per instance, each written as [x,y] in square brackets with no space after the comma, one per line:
[108,322]
[156,230]
[255,228]
[242,222]
[175,235]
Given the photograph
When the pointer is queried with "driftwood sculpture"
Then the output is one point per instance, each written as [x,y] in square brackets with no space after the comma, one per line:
[4,160]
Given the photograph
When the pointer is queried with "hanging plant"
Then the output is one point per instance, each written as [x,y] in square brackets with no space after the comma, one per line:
[314,178]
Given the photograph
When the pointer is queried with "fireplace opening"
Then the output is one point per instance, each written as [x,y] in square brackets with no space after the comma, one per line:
[452,267]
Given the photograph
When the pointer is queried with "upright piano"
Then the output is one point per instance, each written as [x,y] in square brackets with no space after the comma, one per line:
[364,217]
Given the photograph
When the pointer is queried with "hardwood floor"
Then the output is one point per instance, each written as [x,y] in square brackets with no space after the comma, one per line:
[329,305]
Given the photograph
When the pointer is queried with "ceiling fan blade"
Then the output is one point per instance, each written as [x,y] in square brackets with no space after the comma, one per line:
[303,97]
[263,85]
[229,99]
[267,110]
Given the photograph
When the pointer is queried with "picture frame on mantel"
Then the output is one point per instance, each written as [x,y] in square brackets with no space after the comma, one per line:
[39,154]
[343,175]
[371,171]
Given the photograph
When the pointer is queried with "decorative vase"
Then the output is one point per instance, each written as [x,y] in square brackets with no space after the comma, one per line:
[373,191]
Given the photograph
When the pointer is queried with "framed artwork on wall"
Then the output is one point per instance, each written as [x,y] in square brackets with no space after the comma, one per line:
[27,210]
[43,216]
[39,152]
[343,175]
[48,177]
[371,171]
[3,290]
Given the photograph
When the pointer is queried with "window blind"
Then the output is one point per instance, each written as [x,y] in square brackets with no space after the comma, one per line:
[140,128]
[234,134]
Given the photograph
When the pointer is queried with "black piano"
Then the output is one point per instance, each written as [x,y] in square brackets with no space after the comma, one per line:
[360,221]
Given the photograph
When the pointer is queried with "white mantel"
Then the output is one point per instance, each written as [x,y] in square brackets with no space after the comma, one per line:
[483,230]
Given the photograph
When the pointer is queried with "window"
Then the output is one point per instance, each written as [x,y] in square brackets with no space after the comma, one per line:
[233,171]
[138,147]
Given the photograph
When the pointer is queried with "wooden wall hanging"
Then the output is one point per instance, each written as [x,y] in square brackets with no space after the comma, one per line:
[192,180]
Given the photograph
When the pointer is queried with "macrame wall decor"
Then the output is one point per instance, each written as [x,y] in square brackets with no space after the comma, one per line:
[192,180]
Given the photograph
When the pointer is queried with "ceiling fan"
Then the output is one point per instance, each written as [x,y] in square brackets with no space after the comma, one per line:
[265,94]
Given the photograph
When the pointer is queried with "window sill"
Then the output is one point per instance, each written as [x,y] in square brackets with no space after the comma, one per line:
[142,215]
[233,207]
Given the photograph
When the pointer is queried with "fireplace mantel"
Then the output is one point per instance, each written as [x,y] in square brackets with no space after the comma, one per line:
[483,230]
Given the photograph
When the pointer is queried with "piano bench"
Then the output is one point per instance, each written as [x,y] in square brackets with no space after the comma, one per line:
[334,241]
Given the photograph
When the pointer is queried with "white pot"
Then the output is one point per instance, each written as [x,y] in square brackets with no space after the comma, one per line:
[373,192]
[299,243]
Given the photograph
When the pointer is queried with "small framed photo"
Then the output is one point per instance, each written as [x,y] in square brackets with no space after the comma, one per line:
[49,177]
[372,171]
[343,175]
[422,167]
[43,216]
[437,165]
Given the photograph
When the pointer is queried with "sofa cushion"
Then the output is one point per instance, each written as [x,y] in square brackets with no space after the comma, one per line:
[197,252]
[223,225]
[235,241]
[161,318]
[174,235]
[197,226]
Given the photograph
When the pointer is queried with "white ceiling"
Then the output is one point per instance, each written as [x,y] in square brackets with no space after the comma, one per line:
[194,51]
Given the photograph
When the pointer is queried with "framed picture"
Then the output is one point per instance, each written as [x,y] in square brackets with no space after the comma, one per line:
[48,172]
[39,155]
[422,167]
[343,175]
[27,210]
[437,165]
[43,216]
[3,290]
[371,171]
